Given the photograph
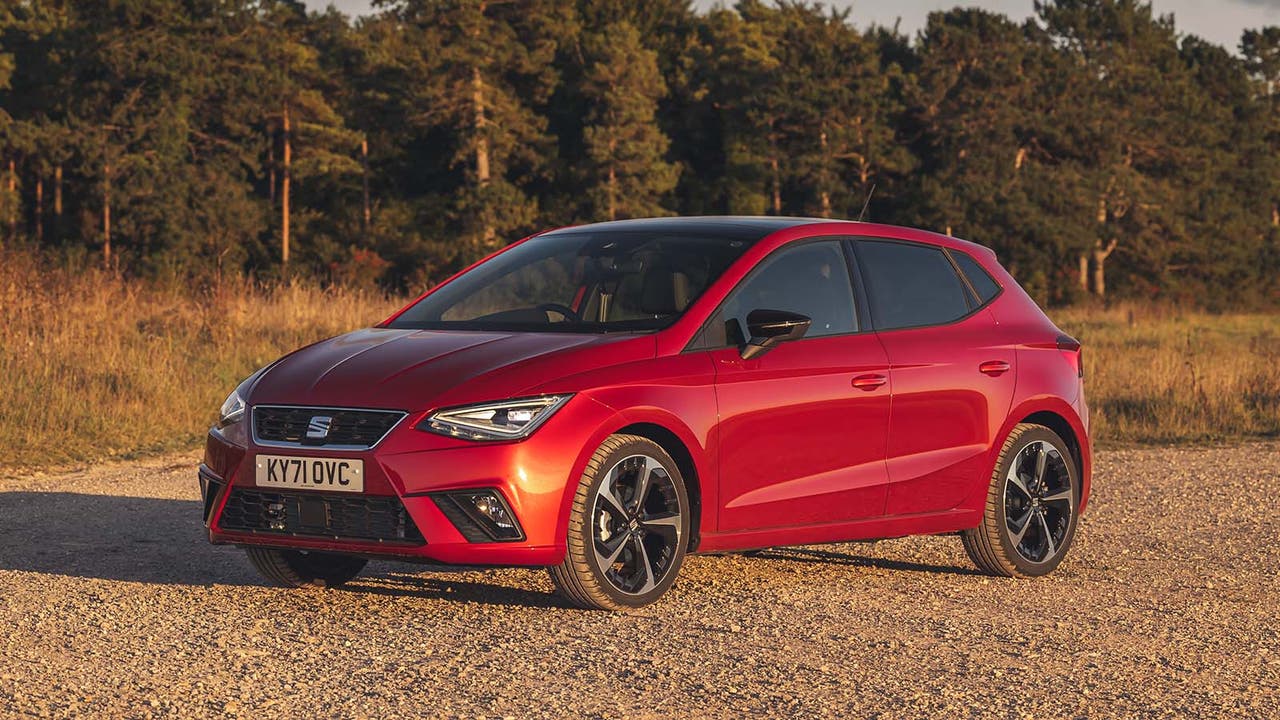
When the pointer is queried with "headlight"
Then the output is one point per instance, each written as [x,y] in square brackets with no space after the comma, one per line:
[232,410]
[507,420]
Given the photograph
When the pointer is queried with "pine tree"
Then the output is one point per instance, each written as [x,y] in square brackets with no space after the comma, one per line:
[483,69]
[624,148]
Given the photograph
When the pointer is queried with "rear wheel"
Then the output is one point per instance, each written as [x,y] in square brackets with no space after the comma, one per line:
[1032,506]
[628,527]
[301,568]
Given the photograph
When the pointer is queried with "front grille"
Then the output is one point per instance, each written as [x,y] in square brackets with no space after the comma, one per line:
[292,426]
[359,517]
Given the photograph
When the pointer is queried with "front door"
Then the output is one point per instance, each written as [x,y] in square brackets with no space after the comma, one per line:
[803,428]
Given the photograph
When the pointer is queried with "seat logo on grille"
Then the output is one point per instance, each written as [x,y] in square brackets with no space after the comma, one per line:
[318,428]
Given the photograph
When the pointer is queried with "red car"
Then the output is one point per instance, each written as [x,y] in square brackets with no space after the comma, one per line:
[603,400]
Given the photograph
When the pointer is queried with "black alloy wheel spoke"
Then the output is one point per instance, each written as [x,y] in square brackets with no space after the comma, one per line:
[644,569]
[665,524]
[607,554]
[1023,525]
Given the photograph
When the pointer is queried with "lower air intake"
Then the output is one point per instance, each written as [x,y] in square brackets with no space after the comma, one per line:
[364,518]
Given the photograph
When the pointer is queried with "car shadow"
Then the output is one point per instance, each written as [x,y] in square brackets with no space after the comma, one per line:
[458,588]
[162,541]
[830,557]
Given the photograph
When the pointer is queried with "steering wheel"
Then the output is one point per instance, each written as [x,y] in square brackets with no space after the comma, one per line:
[559,309]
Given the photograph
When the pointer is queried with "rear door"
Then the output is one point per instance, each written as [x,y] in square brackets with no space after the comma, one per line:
[952,379]
[803,427]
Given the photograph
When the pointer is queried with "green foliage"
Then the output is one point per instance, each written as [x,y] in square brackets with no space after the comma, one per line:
[1092,137]
[627,175]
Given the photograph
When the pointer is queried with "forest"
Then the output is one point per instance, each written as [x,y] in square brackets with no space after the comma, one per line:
[1100,149]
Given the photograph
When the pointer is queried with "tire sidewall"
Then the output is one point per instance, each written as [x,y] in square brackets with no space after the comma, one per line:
[584,525]
[1020,441]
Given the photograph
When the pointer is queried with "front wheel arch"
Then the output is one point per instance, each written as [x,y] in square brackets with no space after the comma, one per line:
[671,443]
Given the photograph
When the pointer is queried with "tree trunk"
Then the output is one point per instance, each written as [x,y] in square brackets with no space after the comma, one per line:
[106,214]
[364,177]
[480,123]
[284,186]
[39,224]
[1084,273]
[13,198]
[271,171]
[57,202]
[777,184]
[824,194]
[1100,255]
[612,182]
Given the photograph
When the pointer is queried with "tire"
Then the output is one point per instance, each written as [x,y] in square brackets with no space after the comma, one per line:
[610,541]
[297,568]
[1046,497]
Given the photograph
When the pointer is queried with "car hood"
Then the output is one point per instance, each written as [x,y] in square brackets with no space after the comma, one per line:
[420,369]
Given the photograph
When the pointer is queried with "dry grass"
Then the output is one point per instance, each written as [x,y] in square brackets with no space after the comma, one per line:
[1158,374]
[94,366]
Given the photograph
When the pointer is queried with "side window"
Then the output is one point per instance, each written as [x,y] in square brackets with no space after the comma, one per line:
[910,285]
[811,279]
[979,278]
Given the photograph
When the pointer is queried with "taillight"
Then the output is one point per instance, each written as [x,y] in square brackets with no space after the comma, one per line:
[1073,352]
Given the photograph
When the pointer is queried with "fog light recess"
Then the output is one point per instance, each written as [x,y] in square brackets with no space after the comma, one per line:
[480,515]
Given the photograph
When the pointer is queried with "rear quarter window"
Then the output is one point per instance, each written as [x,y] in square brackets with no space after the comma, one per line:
[979,278]
[911,285]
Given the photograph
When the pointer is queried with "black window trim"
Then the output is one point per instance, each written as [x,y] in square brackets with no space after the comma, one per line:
[862,312]
[964,281]
[969,282]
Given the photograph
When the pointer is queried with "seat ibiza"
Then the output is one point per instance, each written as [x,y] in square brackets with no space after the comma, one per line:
[604,400]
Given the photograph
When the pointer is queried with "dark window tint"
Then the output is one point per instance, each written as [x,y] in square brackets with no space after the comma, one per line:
[911,285]
[981,281]
[811,279]
[586,280]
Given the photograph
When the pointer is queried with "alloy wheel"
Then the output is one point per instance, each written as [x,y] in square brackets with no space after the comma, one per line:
[1039,502]
[636,524]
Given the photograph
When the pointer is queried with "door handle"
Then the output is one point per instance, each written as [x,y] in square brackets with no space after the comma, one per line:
[869,382]
[994,368]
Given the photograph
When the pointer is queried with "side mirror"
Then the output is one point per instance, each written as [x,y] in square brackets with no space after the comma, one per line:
[770,327]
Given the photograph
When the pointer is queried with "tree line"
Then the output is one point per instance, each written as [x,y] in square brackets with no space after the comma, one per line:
[1096,147]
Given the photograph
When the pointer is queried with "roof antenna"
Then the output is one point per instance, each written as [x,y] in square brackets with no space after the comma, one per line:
[867,204]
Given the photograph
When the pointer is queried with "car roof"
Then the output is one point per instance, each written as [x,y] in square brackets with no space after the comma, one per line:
[728,227]
[751,228]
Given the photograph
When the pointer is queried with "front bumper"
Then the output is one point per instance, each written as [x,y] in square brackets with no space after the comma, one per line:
[536,478]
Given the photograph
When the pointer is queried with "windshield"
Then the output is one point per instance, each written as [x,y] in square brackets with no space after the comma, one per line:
[580,281]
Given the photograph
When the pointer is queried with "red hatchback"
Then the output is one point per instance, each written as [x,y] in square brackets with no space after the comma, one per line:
[603,400]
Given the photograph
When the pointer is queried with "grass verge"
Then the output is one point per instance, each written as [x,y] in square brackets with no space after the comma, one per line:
[95,366]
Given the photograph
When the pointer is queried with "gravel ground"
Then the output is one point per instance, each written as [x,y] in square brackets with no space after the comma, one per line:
[113,604]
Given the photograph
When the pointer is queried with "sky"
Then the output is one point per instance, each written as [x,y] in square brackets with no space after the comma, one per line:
[1220,21]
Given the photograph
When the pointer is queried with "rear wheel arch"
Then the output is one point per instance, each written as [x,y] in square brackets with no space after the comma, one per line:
[1062,427]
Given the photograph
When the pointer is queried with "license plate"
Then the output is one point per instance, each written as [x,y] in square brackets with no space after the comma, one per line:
[305,473]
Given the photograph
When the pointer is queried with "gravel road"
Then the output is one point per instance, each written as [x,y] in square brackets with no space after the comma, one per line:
[112,604]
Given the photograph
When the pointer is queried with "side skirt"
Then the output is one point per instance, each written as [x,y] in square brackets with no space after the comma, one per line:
[938,523]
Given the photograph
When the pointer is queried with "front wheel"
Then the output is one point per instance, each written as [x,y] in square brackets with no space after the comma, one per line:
[1032,506]
[628,527]
[300,568]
